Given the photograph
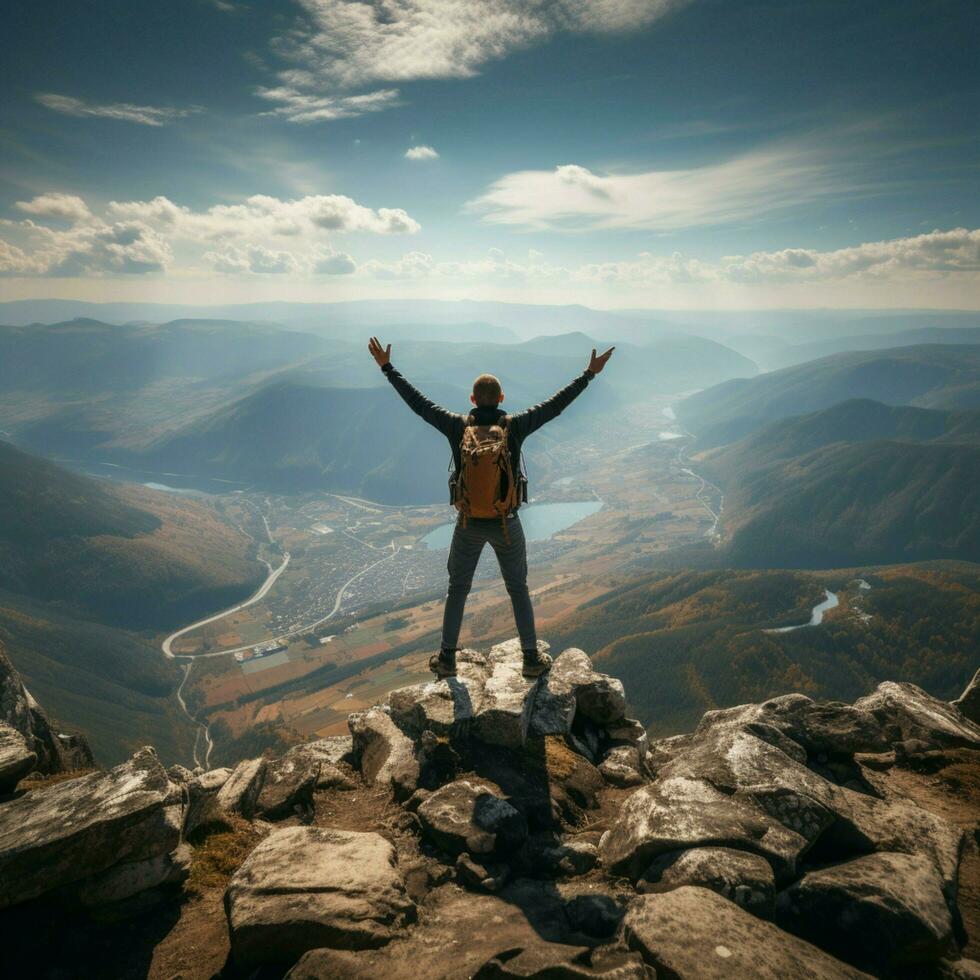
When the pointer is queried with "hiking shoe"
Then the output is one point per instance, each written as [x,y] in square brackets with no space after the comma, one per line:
[535,663]
[443,664]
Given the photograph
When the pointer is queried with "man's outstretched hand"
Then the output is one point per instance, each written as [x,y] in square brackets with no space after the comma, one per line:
[596,364]
[383,354]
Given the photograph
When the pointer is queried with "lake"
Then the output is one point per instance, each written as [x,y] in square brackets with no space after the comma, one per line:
[540,522]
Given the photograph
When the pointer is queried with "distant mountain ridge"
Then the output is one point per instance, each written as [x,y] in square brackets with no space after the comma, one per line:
[943,377]
[860,482]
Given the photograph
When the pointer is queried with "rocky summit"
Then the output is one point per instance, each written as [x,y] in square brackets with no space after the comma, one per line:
[491,826]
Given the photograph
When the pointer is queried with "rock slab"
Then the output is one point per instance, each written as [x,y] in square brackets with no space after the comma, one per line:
[308,887]
[895,898]
[83,827]
[695,934]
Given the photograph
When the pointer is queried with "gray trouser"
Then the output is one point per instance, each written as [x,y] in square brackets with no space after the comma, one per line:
[464,553]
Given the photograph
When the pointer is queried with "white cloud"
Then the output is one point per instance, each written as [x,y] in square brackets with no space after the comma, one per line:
[343,45]
[421,153]
[157,235]
[254,258]
[145,115]
[573,198]
[307,107]
[350,43]
[330,263]
[937,252]
[922,257]
[262,216]
[55,205]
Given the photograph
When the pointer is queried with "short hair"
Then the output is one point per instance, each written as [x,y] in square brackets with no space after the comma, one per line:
[486,390]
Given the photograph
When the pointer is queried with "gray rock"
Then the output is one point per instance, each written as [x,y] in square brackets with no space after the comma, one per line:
[968,703]
[867,823]
[695,934]
[629,731]
[179,773]
[481,877]
[202,794]
[287,786]
[241,789]
[559,859]
[309,887]
[504,714]
[470,815]
[124,881]
[880,912]
[597,696]
[732,758]
[555,961]
[82,827]
[743,878]
[331,750]
[828,727]
[906,711]
[324,755]
[16,759]
[678,813]
[621,766]
[446,707]
[383,752]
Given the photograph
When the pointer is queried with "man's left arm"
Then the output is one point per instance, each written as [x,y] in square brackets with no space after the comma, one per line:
[530,420]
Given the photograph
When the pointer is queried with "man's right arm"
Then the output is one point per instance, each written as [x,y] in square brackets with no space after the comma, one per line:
[434,414]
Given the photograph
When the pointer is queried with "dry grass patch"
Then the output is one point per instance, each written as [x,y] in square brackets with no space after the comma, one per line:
[219,853]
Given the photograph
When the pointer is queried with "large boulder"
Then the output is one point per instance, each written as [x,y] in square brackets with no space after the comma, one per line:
[445,707]
[504,714]
[472,816]
[679,813]
[907,712]
[288,784]
[121,882]
[695,934]
[622,766]
[61,835]
[309,887]
[326,754]
[881,912]
[239,792]
[968,703]
[870,824]
[383,753]
[555,961]
[16,759]
[830,727]
[743,878]
[573,686]
[202,794]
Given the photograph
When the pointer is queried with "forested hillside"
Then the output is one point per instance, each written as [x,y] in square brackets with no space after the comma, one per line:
[686,642]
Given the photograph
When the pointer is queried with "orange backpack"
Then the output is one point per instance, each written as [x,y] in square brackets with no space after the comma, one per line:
[486,485]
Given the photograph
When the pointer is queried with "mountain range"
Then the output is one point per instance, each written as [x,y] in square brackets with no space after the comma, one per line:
[930,376]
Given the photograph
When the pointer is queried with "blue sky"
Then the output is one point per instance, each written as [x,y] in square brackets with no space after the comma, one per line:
[651,153]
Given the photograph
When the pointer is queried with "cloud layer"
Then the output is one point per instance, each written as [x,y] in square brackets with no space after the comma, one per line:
[573,198]
[340,46]
[62,236]
[145,115]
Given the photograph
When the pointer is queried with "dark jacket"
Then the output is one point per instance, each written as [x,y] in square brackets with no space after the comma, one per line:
[519,426]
